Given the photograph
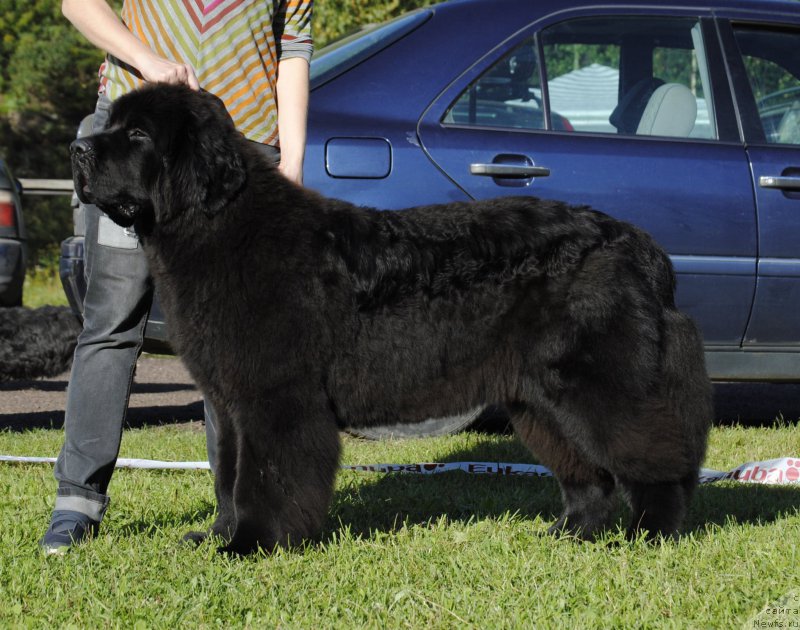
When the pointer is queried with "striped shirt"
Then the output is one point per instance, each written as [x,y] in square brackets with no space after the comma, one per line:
[233,45]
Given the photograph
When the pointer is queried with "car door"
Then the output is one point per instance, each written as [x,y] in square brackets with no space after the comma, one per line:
[558,112]
[765,68]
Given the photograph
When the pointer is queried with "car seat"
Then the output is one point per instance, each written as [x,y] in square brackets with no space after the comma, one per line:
[670,111]
[629,110]
[789,127]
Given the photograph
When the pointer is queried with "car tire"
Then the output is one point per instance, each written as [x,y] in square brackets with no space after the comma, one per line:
[432,427]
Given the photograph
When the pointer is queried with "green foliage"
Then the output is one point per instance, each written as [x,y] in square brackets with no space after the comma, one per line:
[445,551]
[47,84]
[42,283]
[20,18]
[335,18]
[53,75]
[564,58]
[48,220]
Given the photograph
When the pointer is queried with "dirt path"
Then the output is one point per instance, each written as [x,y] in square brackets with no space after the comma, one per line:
[162,392]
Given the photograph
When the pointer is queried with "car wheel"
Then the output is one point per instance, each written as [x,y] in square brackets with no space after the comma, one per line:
[431,427]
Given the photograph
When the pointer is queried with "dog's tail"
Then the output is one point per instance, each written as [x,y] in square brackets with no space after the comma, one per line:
[657,266]
[686,384]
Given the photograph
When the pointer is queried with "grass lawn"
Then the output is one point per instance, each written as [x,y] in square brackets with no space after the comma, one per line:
[446,551]
[43,286]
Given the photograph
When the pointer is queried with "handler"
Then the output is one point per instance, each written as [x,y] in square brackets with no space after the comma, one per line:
[254,55]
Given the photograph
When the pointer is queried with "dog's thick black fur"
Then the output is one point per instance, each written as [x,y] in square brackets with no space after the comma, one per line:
[299,314]
[36,342]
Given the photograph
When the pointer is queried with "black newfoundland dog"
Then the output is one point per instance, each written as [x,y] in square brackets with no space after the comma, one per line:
[297,315]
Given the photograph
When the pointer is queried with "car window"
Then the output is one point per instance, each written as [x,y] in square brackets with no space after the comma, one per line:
[507,95]
[620,75]
[772,64]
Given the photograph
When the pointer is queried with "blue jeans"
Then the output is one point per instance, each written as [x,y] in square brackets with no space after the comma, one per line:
[118,297]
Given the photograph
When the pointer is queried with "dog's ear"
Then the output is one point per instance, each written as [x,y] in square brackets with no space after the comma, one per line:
[204,170]
[218,164]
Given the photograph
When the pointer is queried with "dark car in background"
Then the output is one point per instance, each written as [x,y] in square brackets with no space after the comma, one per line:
[680,119]
[13,244]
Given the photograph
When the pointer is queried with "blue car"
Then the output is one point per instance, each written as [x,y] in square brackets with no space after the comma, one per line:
[683,120]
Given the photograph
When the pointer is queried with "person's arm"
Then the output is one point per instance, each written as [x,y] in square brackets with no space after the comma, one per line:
[292,98]
[292,24]
[96,20]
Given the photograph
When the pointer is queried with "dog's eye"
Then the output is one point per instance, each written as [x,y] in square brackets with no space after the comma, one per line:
[136,134]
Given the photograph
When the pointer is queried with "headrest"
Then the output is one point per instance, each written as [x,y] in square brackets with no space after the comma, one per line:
[629,110]
[671,111]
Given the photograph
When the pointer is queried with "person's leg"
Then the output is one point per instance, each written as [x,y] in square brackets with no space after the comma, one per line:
[116,305]
[210,418]
[117,302]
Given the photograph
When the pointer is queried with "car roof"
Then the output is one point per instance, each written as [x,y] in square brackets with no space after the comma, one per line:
[461,31]
[545,7]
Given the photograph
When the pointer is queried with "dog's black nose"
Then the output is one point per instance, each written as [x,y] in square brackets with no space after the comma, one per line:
[81,146]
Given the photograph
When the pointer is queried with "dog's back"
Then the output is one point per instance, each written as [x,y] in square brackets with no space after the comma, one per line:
[437,250]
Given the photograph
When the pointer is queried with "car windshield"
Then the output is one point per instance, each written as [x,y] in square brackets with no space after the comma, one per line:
[342,54]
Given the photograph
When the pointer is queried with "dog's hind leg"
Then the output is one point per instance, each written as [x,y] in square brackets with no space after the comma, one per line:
[657,508]
[659,470]
[587,490]
[287,453]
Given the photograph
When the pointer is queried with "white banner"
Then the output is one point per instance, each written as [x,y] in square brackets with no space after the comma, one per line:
[785,470]
[122,462]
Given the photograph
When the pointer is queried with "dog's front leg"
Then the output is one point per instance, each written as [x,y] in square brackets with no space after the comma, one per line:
[287,453]
[224,478]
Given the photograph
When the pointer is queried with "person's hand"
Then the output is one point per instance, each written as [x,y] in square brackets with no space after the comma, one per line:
[156,69]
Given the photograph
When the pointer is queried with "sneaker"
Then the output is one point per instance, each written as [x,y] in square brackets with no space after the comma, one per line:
[67,528]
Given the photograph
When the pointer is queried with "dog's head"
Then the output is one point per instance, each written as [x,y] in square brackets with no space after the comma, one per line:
[167,152]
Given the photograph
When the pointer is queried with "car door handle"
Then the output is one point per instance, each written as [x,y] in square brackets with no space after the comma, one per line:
[782,182]
[516,171]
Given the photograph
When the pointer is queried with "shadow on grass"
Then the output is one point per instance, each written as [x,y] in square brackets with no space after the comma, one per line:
[137,417]
[387,503]
[394,501]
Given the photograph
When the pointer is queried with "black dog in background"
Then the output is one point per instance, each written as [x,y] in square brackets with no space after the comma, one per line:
[36,342]
[298,314]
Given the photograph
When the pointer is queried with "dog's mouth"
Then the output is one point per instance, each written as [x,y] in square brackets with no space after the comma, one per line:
[123,213]
[81,183]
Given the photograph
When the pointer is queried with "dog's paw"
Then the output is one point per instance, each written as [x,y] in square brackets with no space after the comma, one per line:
[572,526]
[194,538]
